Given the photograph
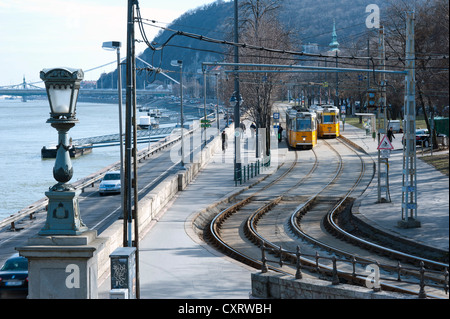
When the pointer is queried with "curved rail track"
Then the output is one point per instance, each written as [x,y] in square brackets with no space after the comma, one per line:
[300,212]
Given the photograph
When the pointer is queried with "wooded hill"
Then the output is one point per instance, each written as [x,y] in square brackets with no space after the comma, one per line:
[309,22]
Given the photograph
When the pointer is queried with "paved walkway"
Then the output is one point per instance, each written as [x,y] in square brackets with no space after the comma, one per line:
[432,195]
[174,263]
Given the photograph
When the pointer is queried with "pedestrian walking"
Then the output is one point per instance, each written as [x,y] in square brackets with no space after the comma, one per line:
[390,134]
[280,133]
[242,127]
[224,141]
[253,129]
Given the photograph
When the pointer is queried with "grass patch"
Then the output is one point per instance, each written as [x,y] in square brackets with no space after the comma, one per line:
[354,120]
[440,162]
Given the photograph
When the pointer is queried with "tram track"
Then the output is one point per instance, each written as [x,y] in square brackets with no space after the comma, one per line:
[276,222]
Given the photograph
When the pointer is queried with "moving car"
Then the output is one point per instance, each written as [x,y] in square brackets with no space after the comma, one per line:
[110,183]
[14,278]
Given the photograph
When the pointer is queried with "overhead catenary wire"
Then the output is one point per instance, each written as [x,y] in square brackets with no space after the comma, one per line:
[254,47]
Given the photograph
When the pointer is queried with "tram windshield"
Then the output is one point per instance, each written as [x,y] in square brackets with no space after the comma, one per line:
[329,119]
[303,124]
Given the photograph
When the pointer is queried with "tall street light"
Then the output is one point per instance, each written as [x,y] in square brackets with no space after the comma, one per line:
[111,46]
[63,216]
[237,118]
[179,63]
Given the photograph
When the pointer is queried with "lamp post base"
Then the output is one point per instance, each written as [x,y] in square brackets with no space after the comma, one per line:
[63,216]
[63,267]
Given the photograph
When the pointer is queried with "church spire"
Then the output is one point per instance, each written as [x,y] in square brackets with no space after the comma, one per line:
[334,43]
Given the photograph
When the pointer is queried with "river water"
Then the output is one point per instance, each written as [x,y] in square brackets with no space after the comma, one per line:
[24,175]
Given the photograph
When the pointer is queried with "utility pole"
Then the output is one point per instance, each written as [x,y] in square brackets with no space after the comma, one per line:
[383,156]
[409,178]
[131,212]
[237,118]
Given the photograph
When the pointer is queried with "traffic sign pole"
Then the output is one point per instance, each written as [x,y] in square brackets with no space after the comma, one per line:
[384,152]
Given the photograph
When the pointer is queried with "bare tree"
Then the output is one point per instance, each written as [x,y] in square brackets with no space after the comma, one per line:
[261,28]
[431,46]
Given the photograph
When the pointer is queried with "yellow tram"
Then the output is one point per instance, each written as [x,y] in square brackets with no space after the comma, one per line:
[328,121]
[301,128]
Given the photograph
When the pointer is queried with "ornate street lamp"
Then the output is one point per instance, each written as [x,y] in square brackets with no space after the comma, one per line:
[63,216]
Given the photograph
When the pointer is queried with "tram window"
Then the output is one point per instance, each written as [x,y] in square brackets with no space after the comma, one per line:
[329,119]
[303,124]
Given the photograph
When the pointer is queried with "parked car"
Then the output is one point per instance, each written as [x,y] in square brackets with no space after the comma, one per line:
[395,124]
[423,137]
[110,183]
[14,278]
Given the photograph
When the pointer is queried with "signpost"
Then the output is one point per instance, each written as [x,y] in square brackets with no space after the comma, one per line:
[385,144]
[385,147]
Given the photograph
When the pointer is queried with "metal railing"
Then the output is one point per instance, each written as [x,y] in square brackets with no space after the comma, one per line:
[398,274]
[115,137]
[246,172]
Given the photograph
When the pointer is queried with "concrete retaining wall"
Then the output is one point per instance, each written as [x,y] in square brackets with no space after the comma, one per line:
[277,286]
[152,205]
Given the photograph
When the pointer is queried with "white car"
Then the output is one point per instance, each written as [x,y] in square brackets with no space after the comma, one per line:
[110,183]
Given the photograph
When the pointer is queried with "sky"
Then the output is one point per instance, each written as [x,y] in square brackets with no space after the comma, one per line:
[40,34]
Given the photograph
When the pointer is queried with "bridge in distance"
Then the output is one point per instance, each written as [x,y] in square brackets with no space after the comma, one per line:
[39,91]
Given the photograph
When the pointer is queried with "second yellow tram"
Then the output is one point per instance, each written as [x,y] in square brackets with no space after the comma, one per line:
[328,121]
[301,128]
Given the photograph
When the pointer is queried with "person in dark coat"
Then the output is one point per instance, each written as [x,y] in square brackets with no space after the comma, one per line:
[390,134]
[224,141]
[280,133]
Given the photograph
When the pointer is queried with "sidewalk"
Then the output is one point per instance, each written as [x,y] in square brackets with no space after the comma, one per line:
[174,263]
[432,195]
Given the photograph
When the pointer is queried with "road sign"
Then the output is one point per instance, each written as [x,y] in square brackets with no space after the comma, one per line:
[385,144]
[385,153]
[276,116]
[371,98]
[205,123]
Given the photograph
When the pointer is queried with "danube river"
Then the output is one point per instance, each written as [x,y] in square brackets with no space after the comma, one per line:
[24,175]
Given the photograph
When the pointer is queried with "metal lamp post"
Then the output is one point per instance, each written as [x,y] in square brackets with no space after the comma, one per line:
[63,217]
[111,46]
[179,63]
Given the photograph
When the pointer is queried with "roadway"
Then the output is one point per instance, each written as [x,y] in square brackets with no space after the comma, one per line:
[97,212]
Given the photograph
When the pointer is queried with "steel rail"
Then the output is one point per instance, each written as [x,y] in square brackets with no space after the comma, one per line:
[297,229]
[214,226]
[331,220]
[252,220]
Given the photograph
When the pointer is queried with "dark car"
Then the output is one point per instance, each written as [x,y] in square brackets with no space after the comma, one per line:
[14,278]
[422,137]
